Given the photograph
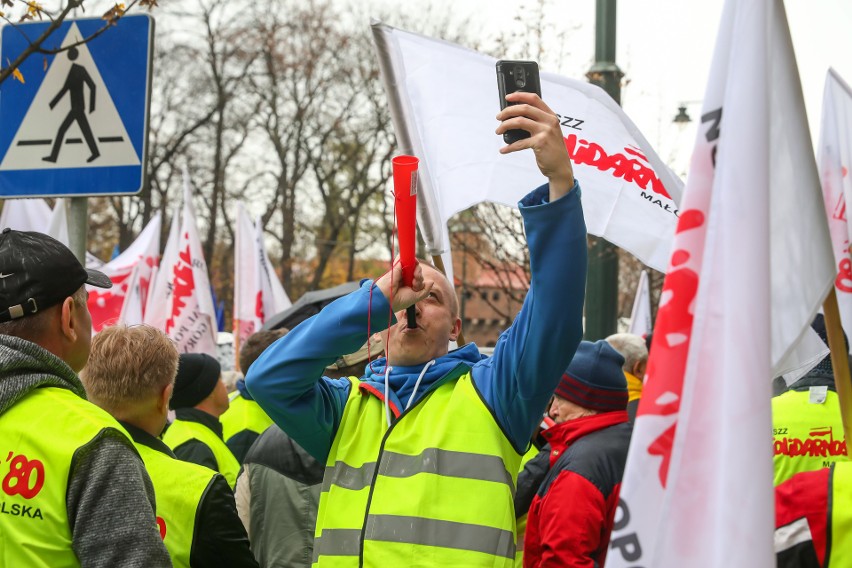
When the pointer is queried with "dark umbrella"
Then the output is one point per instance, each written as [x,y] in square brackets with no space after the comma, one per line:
[309,304]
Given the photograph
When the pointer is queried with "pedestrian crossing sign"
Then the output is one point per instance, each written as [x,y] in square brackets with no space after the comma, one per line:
[77,125]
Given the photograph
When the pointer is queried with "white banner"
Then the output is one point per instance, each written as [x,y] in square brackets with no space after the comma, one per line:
[258,293]
[834,156]
[106,305]
[191,320]
[751,264]
[640,315]
[444,101]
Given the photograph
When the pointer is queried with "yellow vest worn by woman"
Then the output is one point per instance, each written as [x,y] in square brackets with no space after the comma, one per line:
[433,489]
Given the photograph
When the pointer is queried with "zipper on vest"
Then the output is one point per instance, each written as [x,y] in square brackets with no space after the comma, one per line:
[449,377]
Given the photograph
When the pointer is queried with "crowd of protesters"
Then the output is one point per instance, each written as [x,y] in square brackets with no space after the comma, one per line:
[348,444]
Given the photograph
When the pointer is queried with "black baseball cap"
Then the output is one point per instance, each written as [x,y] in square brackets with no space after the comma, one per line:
[37,272]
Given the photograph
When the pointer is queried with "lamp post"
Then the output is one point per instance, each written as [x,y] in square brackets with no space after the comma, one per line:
[602,281]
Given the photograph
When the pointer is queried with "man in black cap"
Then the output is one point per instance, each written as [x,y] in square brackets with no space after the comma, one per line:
[74,488]
[199,399]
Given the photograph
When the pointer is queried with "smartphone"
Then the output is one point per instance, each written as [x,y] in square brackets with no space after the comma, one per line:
[515,76]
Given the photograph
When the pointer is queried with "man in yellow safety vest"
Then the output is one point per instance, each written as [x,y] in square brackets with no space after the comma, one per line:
[422,452]
[73,489]
[131,374]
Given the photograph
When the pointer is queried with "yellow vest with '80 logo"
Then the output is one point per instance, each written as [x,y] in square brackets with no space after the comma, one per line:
[39,436]
[434,489]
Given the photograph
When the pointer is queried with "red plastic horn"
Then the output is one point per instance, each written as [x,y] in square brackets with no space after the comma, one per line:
[405,194]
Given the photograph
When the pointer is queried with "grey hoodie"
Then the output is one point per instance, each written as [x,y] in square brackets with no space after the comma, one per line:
[110,499]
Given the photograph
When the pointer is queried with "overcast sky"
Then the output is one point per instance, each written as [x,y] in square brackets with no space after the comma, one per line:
[665,47]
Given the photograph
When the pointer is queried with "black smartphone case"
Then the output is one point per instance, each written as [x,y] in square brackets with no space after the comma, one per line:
[515,76]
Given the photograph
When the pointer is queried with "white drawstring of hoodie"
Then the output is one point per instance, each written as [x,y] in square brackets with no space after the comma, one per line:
[410,398]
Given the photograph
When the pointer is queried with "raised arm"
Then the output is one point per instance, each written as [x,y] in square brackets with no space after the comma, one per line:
[532,354]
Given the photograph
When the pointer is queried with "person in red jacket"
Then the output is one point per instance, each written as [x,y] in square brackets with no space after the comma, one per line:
[571,515]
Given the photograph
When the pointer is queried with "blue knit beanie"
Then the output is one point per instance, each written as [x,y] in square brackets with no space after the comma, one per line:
[594,378]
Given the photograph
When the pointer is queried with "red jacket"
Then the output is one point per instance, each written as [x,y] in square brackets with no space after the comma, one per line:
[571,516]
[802,513]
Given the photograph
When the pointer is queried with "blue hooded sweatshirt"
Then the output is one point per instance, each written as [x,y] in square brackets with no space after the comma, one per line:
[516,382]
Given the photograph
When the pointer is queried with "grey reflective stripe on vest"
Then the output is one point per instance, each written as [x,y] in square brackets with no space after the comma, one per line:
[337,542]
[348,477]
[443,534]
[447,463]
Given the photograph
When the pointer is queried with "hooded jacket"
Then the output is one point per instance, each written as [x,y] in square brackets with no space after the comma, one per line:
[571,515]
[109,496]
[278,493]
[515,383]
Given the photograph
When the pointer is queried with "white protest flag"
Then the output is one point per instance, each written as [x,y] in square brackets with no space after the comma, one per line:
[443,101]
[834,156]
[191,320]
[159,301]
[275,298]
[247,293]
[26,215]
[751,264]
[35,214]
[258,293]
[134,305]
[57,227]
[640,315]
[105,305]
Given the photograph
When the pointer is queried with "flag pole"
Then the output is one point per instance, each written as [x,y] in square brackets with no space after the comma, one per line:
[439,264]
[839,362]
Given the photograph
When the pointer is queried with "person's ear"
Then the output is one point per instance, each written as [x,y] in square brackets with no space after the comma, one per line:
[165,397]
[456,330]
[66,318]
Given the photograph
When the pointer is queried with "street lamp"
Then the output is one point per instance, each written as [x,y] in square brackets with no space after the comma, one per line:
[682,116]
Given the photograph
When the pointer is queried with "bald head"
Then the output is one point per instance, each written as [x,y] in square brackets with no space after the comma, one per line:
[430,272]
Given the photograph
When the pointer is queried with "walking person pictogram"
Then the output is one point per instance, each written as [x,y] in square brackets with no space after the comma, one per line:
[77,78]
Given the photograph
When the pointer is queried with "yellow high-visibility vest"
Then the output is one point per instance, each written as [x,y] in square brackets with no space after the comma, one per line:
[840,515]
[182,431]
[38,438]
[179,487]
[243,414]
[434,489]
[806,435]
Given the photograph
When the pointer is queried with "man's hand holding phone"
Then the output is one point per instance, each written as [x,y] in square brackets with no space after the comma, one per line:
[528,112]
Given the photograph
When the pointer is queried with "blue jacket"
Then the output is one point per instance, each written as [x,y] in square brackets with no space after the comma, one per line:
[516,382]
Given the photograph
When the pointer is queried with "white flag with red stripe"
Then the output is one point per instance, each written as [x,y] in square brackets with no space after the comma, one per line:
[133,307]
[751,264]
[106,305]
[834,156]
[191,318]
[257,292]
[159,301]
[248,302]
